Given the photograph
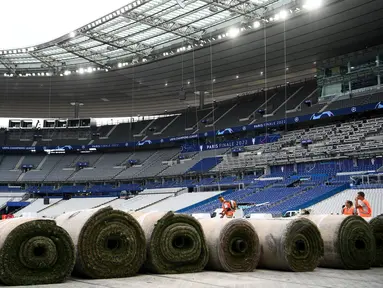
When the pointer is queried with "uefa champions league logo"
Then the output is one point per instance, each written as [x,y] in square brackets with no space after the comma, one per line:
[322,115]
[226,131]
[141,143]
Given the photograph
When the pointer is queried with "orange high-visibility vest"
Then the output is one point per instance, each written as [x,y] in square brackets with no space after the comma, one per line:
[363,213]
[348,211]
[227,209]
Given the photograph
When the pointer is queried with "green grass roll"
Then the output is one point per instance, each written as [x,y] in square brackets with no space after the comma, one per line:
[175,243]
[34,251]
[233,245]
[109,243]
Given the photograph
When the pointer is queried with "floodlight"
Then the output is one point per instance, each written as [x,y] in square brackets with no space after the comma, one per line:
[89,70]
[66,73]
[312,4]
[119,65]
[256,24]
[283,14]
[81,70]
[233,32]
[237,76]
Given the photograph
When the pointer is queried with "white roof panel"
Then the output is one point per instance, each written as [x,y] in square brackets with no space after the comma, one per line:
[153,25]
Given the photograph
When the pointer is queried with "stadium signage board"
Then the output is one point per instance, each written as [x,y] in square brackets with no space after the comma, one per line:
[230,144]
[227,131]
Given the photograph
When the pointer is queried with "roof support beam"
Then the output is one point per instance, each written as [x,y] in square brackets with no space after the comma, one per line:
[8,64]
[85,53]
[139,49]
[182,30]
[241,7]
[47,60]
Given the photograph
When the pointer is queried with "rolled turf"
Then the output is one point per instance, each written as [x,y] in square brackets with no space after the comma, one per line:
[34,251]
[288,244]
[233,245]
[377,229]
[175,243]
[109,243]
[348,241]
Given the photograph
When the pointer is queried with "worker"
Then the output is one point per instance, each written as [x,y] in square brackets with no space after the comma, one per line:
[348,208]
[362,207]
[228,207]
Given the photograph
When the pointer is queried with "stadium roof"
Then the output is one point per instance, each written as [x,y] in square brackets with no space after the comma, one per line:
[144,30]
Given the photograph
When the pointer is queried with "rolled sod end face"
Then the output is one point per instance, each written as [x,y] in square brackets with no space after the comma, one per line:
[34,251]
[289,244]
[349,241]
[175,243]
[233,245]
[109,243]
[376,225]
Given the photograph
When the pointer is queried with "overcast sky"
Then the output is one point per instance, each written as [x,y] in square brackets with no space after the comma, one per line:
[25,23]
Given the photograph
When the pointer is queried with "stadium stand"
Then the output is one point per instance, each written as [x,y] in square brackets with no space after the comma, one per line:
[73,204]
[333,205]
[37,205]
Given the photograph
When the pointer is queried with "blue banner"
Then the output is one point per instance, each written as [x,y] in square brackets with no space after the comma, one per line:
[227,131]
[230,144]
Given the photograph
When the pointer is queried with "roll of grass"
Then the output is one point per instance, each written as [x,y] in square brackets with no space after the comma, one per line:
[109,243]
[233,245]
[34,251]
[175,243]
[377,230]
[348,241]
[289,244]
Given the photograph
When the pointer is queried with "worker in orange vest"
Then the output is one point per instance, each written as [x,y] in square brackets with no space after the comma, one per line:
[363,208]
[348,208]
[228,207]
